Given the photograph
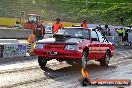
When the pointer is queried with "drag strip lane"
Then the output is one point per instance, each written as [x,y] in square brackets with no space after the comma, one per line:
[68,77]
[22,68]
[120,55]
[19,69]
[60,77]
[23,76]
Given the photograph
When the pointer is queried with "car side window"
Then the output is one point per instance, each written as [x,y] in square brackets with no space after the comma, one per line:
[94,36]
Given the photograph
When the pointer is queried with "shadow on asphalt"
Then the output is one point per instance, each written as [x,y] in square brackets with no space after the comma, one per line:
[16,59]
[69,76]
[71,71]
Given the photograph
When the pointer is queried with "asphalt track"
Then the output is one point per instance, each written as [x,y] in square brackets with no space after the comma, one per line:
[27,74]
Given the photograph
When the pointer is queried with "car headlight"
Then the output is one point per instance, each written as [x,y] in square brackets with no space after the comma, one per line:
[39,46]
[71,47]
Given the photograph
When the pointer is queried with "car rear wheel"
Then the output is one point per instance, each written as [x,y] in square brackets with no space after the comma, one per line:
[42,62]
[106,59]
[84,58]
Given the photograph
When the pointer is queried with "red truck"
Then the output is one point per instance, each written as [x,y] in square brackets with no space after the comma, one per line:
[75,44]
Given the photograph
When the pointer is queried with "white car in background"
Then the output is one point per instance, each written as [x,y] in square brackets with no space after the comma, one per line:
[48,28]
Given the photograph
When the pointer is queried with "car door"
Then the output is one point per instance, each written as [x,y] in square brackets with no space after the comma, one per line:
[94,46]
[103,44]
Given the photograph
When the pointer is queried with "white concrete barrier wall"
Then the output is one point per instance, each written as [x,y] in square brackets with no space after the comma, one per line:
[13,48]
[9,50]
[8,41]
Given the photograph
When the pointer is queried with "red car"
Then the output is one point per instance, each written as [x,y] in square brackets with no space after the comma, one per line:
[75,44]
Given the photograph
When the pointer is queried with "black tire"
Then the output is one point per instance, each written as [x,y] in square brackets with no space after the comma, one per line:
[84,82]
[106,59]
[42,62]
[84,58]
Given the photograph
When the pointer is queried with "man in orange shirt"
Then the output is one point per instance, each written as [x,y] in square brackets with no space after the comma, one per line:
[56,26]
[84,24]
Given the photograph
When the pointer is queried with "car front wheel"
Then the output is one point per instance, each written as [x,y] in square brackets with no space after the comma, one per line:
[106,59]
[42,62]
[84,58]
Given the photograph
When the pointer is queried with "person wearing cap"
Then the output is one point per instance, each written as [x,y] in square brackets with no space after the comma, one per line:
[84,24]
[57,25]
[39,31]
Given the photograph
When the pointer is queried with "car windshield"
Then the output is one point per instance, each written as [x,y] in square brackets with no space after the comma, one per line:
[75,32]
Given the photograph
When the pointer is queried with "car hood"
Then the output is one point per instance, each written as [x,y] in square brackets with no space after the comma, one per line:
[67,41]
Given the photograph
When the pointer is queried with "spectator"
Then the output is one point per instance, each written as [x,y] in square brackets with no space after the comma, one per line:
[39,31]
[108,32]
[125,38]
[122,20]
[57,25]
[84,24]
[107,29]
[121,33]
[101,29]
